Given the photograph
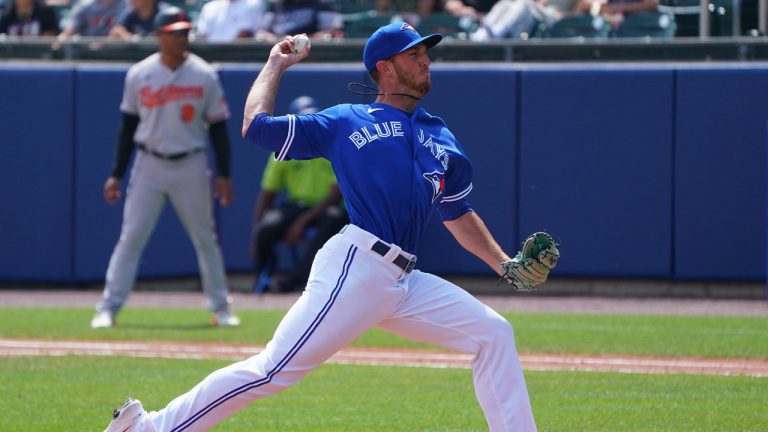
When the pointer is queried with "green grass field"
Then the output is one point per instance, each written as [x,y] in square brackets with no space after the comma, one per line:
[77,393]
[701,336]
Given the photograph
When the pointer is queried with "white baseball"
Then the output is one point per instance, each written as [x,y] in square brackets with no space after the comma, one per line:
[300,42]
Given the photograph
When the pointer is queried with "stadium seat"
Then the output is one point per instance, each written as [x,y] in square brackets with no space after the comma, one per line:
[62,12]
[584,26]
[362,24]
[654,24]
[448,25]
[264,279]
[686,14]
[192,7]
[356,6]
[60,7]
[178,3]
[724,21]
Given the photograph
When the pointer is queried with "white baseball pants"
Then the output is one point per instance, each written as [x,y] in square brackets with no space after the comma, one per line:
[351,289]
[153,182]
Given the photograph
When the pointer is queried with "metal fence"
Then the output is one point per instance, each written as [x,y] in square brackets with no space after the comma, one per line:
[689,49]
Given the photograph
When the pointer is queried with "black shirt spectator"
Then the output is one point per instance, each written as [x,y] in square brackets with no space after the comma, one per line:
[319,19]
[411,11]
[29,18]
[474,8]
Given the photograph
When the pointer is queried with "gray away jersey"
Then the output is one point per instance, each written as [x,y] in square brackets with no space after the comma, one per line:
[174,106]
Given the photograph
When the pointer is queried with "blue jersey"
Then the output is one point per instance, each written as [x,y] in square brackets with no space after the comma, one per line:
[393,167]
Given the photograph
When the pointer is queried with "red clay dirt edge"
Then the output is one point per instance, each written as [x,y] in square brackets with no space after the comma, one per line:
[381,357]
[415,358]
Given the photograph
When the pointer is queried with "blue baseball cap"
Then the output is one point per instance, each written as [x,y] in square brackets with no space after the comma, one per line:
[392,39]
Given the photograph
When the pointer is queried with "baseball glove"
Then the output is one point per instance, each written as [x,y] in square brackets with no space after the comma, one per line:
[531,266]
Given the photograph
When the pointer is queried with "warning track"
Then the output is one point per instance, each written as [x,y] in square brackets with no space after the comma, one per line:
[380,357]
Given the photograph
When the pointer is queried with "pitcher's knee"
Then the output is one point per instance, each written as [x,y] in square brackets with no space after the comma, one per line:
[499,329]
[496,345]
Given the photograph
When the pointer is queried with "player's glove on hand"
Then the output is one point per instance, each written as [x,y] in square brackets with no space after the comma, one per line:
[531,266]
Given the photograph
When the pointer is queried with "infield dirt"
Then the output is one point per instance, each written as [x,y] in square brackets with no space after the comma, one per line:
[412,358]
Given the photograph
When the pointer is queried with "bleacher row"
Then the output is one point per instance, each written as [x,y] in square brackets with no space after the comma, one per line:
[674,18]
[661,24]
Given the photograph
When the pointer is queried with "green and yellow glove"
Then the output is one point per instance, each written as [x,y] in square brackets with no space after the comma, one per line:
[531,266]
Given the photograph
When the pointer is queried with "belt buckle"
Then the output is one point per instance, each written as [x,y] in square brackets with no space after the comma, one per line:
[411,264]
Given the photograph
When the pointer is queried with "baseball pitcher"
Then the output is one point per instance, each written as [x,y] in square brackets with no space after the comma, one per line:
[395,164]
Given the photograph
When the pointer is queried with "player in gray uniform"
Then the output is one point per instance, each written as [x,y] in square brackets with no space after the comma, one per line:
[172,104]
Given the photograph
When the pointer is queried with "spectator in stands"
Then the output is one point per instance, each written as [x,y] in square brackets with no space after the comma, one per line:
[411,11]
[614,10]
[29,18]
[93,18]
[319,19]
[138,20]
[312,199]
[474,8]
[518,18]
[227,20]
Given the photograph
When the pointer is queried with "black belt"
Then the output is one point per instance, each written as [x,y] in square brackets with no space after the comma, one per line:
[168,156]
[401,261]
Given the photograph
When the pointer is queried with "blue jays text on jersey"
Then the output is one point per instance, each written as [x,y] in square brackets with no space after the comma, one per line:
[393,167]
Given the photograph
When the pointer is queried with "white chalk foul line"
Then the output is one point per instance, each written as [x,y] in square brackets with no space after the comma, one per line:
[176,350]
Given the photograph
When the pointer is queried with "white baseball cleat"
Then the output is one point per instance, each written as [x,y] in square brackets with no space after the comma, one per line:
[125,418]
[224,319]
[103,319]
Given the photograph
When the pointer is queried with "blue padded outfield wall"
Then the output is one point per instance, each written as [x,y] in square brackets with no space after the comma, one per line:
[639,171]
[37,147]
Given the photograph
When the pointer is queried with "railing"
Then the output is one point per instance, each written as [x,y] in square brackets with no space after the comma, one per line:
[762,12]
[705,17]
[533,50]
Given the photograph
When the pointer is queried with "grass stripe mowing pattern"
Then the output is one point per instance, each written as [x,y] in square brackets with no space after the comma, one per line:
[672,336]
[78,393]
